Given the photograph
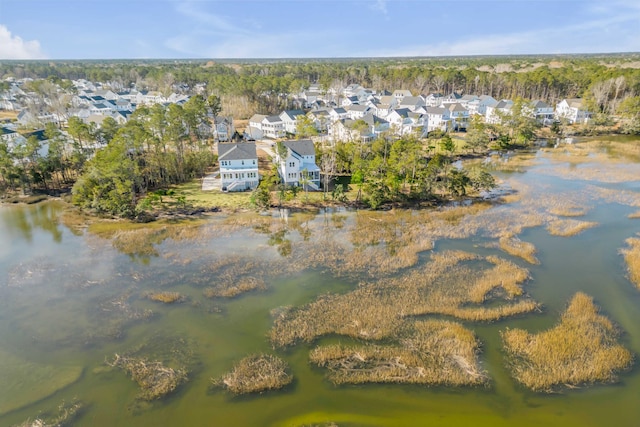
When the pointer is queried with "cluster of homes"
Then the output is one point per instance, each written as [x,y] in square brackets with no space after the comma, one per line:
[352,113]
[357,113]
[92,103]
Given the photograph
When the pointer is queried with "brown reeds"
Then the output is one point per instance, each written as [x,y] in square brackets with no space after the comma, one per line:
[581,349]
[434,352]
[634,215]
[234,275]
[165,297]
[230,290]
[255,374]
[569,227]
[516,247]
[632,259]
[154,378]
[448,285]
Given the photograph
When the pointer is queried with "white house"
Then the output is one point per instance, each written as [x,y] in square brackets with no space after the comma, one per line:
[290,120]
[541,111]
[452,98]
[573,111]
[254,130]
[459,115]
[401,94]
[433,100]
[411,102]
[479,105]
[355,112]
[273,127]
[223,128]
[494,113]
[238,166]
[299,167]
[437,118]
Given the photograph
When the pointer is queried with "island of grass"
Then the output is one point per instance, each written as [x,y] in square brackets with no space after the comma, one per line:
[256,374]
[632,258]
[453,283]
[433,352]
[581,349]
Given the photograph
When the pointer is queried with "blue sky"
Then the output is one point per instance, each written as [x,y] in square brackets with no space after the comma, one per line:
[100,29]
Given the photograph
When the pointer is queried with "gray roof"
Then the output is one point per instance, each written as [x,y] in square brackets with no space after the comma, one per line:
[257,118]
[302,147]
[273,119]
[505,103]
[540,104]
[239,151]
[360,108]
[372,120]
[339,110]
[457,107]
[292,113]
[435,110]
[412,100]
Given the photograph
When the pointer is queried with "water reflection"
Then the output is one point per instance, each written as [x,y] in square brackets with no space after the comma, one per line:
[22,221]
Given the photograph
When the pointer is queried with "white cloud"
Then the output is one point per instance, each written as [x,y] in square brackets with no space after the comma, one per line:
[13,47]
[380,6]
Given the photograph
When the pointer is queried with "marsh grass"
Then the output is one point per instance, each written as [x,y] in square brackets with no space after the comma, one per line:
[256,374]
[569,227]
[581,349]
[142,239]
[634,215]
[516,247]
[154,378]
[632,259]
[233,275]
[165,297]
[453,283]
[432,352]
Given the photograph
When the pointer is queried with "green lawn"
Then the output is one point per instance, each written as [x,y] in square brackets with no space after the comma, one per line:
[194,195]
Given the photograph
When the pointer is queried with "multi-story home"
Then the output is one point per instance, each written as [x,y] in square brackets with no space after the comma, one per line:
[433,100]
[495,113]
[572,110]
[273,127]
[238,166]
[541,111]
[290,120]
[298,167]
[459,115]
[437,118]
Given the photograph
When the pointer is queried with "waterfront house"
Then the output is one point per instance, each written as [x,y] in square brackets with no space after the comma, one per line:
[238,166]
[298,167]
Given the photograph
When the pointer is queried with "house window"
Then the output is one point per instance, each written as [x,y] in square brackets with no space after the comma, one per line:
[243,162]
[254,162]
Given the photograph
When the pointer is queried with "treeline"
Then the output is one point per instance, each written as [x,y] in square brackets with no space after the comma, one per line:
[114,165]
[267,84]
[157,147]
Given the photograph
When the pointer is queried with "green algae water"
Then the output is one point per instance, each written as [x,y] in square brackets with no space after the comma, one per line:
[69,300]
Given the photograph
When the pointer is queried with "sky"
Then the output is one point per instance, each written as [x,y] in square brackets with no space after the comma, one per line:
[115,29]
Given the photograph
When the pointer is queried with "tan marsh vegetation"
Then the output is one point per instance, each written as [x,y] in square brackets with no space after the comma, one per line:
[453,283]
[434,352]
[255,374]
[632,259]
[582,348]
[154,378]
[516,247]
[569,227]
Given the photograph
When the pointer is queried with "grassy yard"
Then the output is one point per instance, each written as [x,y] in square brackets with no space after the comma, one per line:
[229,201]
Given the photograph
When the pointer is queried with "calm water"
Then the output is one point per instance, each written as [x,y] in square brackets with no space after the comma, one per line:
[59,312]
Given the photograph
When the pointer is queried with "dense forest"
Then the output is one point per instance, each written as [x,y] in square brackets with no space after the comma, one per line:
[263,86]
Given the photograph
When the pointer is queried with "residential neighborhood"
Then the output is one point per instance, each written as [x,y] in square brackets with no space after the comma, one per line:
[349,114]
